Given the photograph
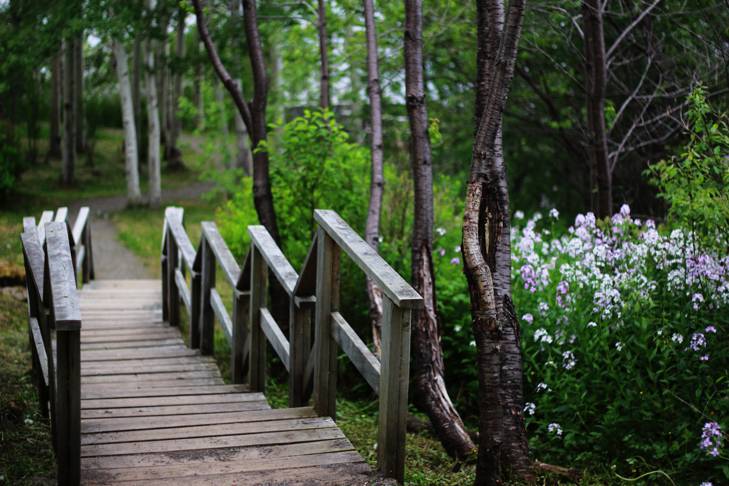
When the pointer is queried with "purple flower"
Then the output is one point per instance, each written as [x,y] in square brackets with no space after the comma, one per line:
[710,329]
[529,276]
[696,301]
[711,438]
[455,261]
[441,251]
[625,211]
[527,318]
[704,358]
[697,342]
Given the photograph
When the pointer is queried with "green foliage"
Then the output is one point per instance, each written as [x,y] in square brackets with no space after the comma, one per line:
[695,183]
[316,166]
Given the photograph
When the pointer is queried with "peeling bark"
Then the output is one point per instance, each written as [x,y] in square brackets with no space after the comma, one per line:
[503,448]
[431,395]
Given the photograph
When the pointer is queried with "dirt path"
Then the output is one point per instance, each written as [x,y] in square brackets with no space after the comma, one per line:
[112,260]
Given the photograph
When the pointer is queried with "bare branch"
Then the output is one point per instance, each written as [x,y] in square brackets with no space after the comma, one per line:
[629,28]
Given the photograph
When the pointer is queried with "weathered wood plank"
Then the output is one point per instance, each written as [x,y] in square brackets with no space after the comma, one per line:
[391,283]
[277,262]
[211,377]
[79,224]
[142,353]
[217,470]
[203,457]
[142,423]
[362,358]
[140,402]
[174,410]
[40,348]
[183,290]
[207,283]
[67,400]
[149,362]
[99,346]
[191,444]
[33,252]
[215,430]
[172,391]
[161,381]
[277,339]
[146,369]
[223,256]
[182,242]
[61,215]
[115,335]
[46,217]
[221,313]
[259,292]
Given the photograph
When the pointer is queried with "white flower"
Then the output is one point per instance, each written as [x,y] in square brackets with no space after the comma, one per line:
[555,428]
[457,249]
[591,324]
[542,387]
[619,346]
[541,335]
[706,483]
[457,328]
[677,338]
[440,230]
[568,360]
[625,210]
[543,307]
[530,408]
[527,318]
[519,215]
[553,213]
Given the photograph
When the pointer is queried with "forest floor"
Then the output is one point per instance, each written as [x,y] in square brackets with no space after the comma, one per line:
[127,245]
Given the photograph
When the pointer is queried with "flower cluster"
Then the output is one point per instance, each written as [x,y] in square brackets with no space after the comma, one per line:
[711,438]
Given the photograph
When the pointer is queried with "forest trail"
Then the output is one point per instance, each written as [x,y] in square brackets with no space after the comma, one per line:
[112,260]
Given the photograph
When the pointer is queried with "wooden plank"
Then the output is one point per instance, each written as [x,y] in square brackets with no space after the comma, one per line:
[162,381]
[33,252]
[65,304]
[79,224]
[325,348]
[391,283]
[393,403]
[226,469]
[223,256]
[239,351]
[146,369]
[257,352]
[40,348]
[174,410]
[182,242]
[61,215]
[142,353]
[46,217]
[28,223]
[209,377]
[149,362]
[204,457]
[221,314]
[300,314]
[362,358]
[191,444]
[67,396]
[99,346]
[277,339]
[182,289]
[139,402]
[207,282]
[172,391]
[277,262]
[113,335]
[142,423]
[215,430]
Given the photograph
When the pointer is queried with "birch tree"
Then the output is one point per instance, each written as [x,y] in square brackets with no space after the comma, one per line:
[153,123]
[131,159]
[431,394]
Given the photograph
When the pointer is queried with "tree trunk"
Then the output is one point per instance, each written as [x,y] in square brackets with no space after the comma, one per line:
[172,153]
[68,146]
[244,159]
[377,179]
[431,394]
[220,100]
[131,165]
[595,82]
[78,85]
[254,116]
[54,147]
[503,448]
[137,92]
[153,123]
[199,100]
[324,96]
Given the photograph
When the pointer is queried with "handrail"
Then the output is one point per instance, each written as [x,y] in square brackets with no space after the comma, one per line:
[313,296]
[53,309]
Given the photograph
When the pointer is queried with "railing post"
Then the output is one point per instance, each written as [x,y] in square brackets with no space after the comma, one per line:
[68,407]
[165,276]
[195,297]
[327,301]
[86,264]
[259,291]
[173,293]
[300,310]
[394,380]
[207,317]
[241,309]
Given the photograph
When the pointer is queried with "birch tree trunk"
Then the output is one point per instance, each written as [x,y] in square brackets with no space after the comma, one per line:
[172,152]
[431,394]
[324,96]
[78,85]
[595,83]
[138,61]
[377,179]
[54,147]
[68,145]
[153,123]
[503,448]
[131,159]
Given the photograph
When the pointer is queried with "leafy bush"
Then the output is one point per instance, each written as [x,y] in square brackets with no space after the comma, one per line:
[625,349]
[695,183]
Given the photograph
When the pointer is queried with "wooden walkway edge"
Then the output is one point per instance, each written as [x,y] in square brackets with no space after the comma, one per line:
[154,411]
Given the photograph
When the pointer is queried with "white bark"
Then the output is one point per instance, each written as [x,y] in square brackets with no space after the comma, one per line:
[153,127]
[131,164]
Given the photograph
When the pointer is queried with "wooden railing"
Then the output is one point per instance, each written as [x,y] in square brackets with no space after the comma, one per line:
[313,297]
[52,252]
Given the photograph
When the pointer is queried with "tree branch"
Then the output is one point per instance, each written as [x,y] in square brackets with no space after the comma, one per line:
[629,28]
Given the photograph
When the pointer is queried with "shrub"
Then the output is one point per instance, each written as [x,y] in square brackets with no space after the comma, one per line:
[625,348]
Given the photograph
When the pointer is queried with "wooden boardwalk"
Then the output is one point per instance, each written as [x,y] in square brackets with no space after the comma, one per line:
[155,411]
